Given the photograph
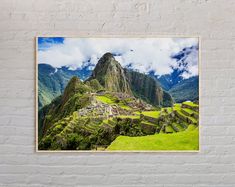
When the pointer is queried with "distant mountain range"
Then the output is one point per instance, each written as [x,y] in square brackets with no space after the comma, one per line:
[180,88]
[52,81]
[186,90]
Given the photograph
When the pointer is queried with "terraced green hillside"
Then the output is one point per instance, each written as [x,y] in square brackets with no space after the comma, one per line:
[170,128]
[176,128]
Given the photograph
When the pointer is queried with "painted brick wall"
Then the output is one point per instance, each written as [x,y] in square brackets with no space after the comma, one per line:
[21,21]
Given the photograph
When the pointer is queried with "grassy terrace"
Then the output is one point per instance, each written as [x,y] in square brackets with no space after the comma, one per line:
[169,129]
[131,117]
[185,116]
[177,108]
[169,109]
[109,100]
[177,105]
[148,123]
[106,122]
[192,119]
[125,107]
[178,126]
[190,104]
[104,99]
[189,111]
[153,114]
[186,140]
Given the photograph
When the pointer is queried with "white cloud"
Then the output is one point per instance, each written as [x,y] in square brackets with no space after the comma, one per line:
[144,54]
[192,65]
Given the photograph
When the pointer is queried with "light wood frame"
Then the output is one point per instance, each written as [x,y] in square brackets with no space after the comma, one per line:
[115,151]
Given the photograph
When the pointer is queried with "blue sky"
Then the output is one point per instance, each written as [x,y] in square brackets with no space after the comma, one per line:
[142,54]
[46,42]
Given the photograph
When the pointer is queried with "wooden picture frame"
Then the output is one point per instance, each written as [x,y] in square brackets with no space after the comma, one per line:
[113,151]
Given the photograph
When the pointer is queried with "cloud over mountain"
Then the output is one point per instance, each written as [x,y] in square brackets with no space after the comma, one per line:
[142,54]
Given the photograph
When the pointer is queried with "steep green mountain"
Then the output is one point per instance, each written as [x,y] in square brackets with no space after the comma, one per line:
[75,96]
[77,118]
[146,88]
[187,89]
[110,74]
[94,84]
[52,81]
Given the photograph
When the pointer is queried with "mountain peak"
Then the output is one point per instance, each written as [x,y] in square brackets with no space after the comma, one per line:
[107,59]
[110,74]
[108,56]
[75,85]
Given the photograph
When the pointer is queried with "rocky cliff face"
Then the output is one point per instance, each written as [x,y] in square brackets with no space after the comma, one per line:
[146,88]
[110,75]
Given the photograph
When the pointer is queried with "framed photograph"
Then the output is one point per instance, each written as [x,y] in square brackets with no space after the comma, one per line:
[117,94]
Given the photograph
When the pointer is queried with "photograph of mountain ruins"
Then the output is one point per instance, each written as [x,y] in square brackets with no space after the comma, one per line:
[117,94]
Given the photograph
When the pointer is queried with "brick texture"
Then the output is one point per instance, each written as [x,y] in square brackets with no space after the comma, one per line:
[21,21]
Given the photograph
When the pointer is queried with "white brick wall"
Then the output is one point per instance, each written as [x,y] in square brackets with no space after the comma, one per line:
[20,21]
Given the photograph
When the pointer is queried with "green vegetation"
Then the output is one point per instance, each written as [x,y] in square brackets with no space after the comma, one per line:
[169,109]
[125,107]
[111,109]
[188,111]
[89,133]
[187,118]
[178,126]
[169,129]
[52,82]
[187,89]
[187,140]
[146,88]
[190,104]
[111,99]
[177,106]
[148,123]
[136,132]
[131,117]
[110,75]
[105,99]
[153,114]
[75,97]
[94,84]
